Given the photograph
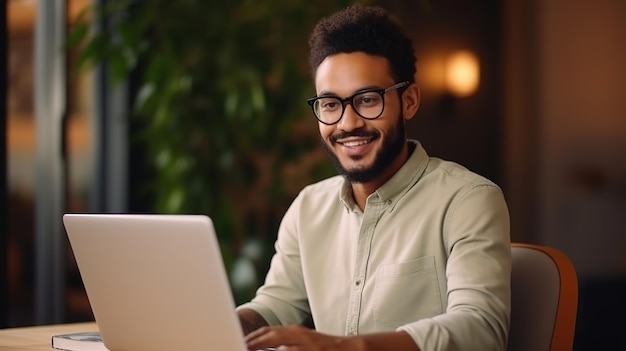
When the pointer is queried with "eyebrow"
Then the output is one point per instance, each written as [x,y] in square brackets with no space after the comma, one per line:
[367,88]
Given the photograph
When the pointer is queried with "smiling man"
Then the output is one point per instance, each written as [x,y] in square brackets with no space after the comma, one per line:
[400,251]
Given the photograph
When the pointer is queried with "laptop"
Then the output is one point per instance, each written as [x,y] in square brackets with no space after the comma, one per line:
[155,282]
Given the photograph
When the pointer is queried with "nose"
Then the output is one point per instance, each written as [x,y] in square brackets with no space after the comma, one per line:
[350,119]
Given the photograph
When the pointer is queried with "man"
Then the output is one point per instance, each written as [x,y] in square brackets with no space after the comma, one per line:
[399,252]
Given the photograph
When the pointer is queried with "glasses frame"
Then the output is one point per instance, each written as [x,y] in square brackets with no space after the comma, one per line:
[350,100]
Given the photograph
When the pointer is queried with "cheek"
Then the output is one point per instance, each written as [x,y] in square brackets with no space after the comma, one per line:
[325,131]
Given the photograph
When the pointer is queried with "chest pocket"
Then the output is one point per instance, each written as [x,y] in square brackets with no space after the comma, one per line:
[406,292]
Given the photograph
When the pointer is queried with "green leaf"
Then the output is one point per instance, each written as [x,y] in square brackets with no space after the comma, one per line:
[77,35]
[118,66]
[94,51]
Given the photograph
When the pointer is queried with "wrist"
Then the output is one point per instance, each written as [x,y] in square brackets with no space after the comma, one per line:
[399,341]
[352,343]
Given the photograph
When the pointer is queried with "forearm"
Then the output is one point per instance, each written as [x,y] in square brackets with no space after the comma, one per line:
[250,320]
[397,341]
[299,337]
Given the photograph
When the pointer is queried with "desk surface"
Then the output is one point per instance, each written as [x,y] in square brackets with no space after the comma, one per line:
[38,338]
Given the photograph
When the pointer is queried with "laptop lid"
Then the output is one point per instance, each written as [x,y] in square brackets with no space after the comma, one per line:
[155,282]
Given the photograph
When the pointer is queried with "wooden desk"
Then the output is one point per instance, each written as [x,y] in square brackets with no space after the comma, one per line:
[38,338]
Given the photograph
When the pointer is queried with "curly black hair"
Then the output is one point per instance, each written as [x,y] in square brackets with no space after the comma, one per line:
[367,29]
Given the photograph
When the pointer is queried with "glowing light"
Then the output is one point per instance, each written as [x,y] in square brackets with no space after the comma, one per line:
[462,73]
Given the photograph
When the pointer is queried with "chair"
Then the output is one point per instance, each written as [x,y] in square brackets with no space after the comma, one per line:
[544,299]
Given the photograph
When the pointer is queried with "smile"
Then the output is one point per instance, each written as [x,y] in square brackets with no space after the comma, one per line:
[355,143]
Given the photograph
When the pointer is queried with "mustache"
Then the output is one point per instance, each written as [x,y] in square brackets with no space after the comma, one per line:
[355,133]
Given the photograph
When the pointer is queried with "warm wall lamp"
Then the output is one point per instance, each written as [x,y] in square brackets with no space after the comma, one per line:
[462,73]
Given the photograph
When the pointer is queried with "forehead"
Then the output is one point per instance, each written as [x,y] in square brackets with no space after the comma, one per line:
[345,73]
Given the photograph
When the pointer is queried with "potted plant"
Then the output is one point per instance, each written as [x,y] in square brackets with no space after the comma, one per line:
[218,90]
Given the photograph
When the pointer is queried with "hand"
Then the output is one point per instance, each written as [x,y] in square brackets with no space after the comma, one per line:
[296,338]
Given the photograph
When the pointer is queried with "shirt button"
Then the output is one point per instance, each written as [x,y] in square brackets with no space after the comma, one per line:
[357,283]
[388,202]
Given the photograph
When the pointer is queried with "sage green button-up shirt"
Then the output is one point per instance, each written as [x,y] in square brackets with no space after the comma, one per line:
[430,255]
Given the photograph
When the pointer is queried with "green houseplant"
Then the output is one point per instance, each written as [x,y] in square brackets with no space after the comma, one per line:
[220,91]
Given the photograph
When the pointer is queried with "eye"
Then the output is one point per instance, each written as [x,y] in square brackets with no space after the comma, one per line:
[368,99]
[328,104]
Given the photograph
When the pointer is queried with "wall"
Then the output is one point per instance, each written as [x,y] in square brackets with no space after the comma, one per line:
[566,127]
[466,130]
[583,79]
[565,140]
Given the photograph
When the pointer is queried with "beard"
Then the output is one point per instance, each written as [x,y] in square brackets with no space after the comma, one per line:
[386,155]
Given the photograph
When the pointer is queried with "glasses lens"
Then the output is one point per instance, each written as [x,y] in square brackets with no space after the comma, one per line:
[368,104]
[328,109]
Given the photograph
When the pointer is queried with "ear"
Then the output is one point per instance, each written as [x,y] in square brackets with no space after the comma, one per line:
[410,101]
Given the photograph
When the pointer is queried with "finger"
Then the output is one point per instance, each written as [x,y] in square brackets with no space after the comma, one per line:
[256,333]
[291,338]
[290,348]
[263,338]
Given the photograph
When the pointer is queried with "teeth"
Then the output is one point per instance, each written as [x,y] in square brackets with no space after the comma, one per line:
[355,143]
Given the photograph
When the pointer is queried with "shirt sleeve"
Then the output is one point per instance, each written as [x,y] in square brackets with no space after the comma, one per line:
[282,299]
[478,270]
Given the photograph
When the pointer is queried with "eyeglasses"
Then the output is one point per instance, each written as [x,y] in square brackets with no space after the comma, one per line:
[368,104]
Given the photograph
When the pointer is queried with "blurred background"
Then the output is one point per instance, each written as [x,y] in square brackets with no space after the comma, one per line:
[196,106]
